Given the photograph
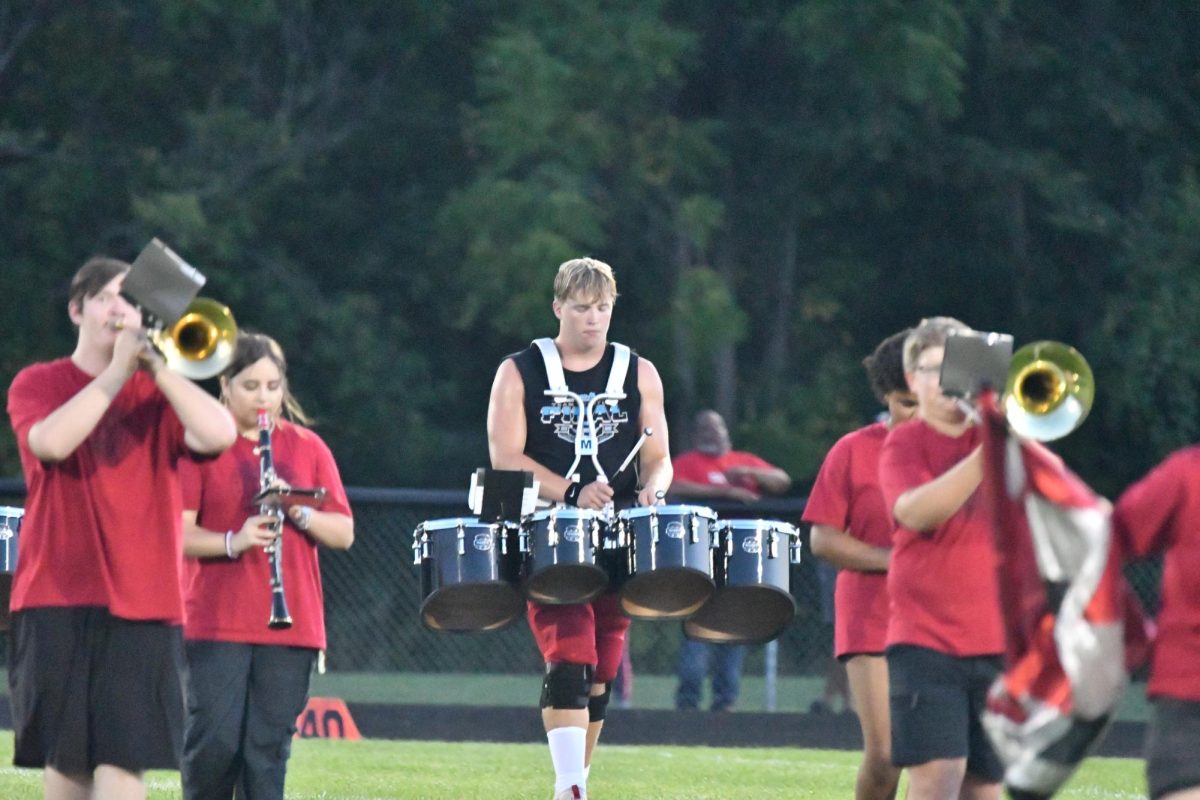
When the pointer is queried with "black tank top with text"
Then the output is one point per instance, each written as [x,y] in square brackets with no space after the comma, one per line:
[550,425]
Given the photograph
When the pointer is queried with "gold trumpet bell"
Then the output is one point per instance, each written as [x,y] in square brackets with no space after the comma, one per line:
[1049,391]
[200,344]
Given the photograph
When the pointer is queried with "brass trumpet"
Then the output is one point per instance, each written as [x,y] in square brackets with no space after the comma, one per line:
[200,344]
[1049,391]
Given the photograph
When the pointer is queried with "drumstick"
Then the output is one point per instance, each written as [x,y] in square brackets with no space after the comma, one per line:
[646,434]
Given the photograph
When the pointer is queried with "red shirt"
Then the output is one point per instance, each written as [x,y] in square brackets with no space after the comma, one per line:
[696,467]
[942,582]
[846,497]
[1161,514]
[102,527]
[231,600]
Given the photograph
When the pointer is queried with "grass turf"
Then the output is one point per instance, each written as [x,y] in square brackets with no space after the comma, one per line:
[385,770]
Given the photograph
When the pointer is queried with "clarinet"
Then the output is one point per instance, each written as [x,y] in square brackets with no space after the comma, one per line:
[280,618]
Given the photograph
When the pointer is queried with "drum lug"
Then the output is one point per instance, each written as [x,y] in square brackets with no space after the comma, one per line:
[695,535]
[796,550]
[418,540]
[523,540]
[503,539]
[654,528]
[552,531]
[771,545]
[462,540]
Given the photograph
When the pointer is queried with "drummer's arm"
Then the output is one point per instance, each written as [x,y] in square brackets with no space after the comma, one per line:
[655,457]
[506,432]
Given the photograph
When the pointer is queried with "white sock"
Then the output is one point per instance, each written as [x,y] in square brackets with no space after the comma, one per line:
[567,746]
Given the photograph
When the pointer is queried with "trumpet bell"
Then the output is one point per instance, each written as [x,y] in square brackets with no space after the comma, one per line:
[200,344]
[1049,391]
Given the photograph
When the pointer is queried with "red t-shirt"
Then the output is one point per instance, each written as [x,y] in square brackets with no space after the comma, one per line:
[846,497]
[102,527]
[942,582]
[1161,514]
[231,600]
[696,467]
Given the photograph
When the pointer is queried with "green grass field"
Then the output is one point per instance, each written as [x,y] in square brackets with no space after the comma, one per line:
[366,770]
[793,692]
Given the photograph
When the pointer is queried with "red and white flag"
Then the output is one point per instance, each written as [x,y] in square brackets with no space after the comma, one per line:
[1074,627]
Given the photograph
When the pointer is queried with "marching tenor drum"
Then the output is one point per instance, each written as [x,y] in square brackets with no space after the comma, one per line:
[752,603]
[469,574]
[10,529]
[671,555]
[561,546]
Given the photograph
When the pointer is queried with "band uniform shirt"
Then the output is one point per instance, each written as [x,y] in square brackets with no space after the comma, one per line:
[102,527]
[550,425]
[231,600]
[1161,514]
[697,467]
[942,583]
[846,497]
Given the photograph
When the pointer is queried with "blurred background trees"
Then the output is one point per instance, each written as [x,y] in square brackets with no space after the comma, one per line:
[388,187]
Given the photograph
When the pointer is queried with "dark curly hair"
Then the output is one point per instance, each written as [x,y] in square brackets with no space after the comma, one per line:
[885,366]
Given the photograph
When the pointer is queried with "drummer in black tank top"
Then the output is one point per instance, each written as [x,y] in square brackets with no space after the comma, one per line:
[529,430]
[550,424]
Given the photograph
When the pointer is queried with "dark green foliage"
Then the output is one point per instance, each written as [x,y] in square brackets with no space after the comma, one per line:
[388,187]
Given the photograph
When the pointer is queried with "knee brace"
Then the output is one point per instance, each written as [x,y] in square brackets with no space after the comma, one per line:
[598,704]
[567,685]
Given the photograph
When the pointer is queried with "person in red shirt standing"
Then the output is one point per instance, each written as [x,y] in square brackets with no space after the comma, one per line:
[96,645]
[247,682]
[715,470]
[945,633]
[1160,515]
[852,529]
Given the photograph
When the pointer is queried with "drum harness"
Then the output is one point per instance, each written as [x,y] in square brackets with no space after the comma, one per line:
[586,437]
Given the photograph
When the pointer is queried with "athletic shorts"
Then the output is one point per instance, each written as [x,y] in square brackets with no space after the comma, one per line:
[936,702]
[1171,743]
[88,688]
[582,633]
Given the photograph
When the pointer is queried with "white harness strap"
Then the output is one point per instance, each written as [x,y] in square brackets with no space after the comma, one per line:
[554,368]
[616,376]
[585,428]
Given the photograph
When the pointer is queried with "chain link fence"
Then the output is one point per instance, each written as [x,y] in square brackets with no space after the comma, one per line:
[372,597]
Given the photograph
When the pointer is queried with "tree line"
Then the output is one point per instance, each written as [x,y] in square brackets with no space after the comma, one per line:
[388,187]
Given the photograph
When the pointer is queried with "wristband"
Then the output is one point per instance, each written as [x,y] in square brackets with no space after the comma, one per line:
[305,518]
[229,546]
[571,495]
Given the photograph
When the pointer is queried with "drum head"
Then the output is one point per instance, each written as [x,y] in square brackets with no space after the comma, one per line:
[742,615]
[564,584]
[472,607]
[666,593]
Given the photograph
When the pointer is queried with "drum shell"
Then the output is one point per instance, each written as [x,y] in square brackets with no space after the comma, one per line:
[469,574]
[10,536]
[671,550]
[752,571]
[561,566]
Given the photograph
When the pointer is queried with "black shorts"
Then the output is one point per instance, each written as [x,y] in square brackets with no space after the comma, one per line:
[936,702]
[1171,744]
[89,688]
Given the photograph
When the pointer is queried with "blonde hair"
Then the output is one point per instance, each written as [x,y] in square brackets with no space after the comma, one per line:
[931,332]
[585,277]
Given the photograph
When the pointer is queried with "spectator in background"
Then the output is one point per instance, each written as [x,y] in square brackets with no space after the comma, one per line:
[715,470]
[852,531]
